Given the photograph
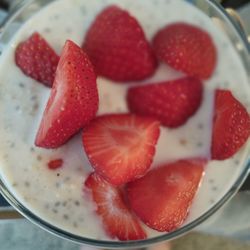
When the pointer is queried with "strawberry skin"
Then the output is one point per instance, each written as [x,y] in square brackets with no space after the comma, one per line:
[117,46]
[121,147]
[162,198]
[37,59]
[117,218]
[171,102]
[186,48]
[231,125]
[73,101]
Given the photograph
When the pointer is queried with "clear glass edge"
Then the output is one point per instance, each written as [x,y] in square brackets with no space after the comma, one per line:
[125,244]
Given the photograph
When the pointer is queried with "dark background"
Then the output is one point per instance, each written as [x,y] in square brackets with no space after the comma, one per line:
[225,3]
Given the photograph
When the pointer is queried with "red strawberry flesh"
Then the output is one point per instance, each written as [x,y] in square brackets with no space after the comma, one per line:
[117,46]
[37,59]
[171,102]
[187,48]
[73,100]
[117,218]
[162,198]
[121,147]
[55,164]
[231,126]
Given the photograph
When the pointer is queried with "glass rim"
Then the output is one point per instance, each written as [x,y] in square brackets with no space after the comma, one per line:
[137,243]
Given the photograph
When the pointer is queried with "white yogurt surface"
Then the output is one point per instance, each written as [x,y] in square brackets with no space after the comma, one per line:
[56,196]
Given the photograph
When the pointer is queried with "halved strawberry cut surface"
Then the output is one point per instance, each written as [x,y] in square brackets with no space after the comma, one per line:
[117,218]
[121,147]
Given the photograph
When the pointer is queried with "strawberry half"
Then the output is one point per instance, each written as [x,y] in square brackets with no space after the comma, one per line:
[73,100]
[117,47]
[162,198]
[231,126]
[171,102]
[121,147]
[186,48]
[37,59]
[117,218]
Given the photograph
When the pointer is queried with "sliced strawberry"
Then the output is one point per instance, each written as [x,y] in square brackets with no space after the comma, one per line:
[162,198]
[121,147]
[37,59]
[171,102]
[187,48]
[231,126]
[73,100]
[117,218]
[55,164]
[117,47]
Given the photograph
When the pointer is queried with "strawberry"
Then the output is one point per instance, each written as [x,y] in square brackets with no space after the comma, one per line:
[162,198]
[37,59]
[55,164]
[73,101]
[231,125]
[121,147]
[117,218]
[171,102]
[186,48]
[117,47]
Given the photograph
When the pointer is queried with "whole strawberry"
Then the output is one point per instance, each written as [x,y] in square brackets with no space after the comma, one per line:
[73,100]
[37,59]
[117,47]
[231,126]
[187,48]
[171,102]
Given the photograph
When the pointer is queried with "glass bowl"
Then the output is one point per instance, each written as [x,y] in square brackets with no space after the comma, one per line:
[23,12]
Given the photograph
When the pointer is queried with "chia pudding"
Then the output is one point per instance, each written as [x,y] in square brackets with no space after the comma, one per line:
[56,196]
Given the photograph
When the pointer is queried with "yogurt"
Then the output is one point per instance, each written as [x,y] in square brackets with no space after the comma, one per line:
[56,196]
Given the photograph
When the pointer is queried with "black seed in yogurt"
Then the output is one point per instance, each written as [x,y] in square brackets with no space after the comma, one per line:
[26,184]
[55,211]
[77,203]
[21,85]
[65,217]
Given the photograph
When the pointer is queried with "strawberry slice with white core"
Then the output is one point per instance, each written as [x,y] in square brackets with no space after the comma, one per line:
[73,100]
[162,198]
[121,147]
[117,218]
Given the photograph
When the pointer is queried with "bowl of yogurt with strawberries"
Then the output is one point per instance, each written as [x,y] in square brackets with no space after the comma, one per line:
[123,123]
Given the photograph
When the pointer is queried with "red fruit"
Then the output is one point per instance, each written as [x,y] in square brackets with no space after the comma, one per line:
[73,100]
[37,59]
[171,102]
[117,218]
[121,147]
[186,48]
[231,126]
[162,198]
[117,46]
[55,164]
